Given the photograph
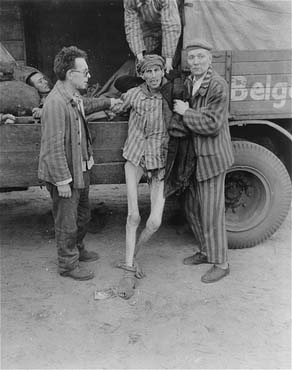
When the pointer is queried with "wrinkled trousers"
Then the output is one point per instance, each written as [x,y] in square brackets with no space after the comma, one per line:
[71,216]
[205,211]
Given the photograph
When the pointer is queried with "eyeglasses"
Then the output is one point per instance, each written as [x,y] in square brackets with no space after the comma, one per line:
[85,73]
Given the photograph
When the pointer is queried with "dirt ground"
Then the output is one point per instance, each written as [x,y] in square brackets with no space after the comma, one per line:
[173,322]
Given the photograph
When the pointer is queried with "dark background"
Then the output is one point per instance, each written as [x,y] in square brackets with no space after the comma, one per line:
[96,26]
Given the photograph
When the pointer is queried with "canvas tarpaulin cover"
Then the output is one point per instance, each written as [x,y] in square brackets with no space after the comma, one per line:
[239,24]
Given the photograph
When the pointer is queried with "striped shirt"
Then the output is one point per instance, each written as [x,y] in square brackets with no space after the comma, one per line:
[60,154]
[147,133]
[151,23]
[207,119]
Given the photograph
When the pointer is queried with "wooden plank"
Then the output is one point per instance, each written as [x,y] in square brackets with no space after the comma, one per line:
[106,135]
[107,155]
[16,172]
[108,138]
[263,108]
[261,55]
[260,68]
[253,116]
[111,173]
[18,169]
[20,138]
[219,68]
[19,153]
[21,170]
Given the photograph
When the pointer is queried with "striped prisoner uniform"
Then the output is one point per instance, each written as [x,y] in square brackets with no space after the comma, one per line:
[147,134]
[207,119]
[65,149]
[150,24]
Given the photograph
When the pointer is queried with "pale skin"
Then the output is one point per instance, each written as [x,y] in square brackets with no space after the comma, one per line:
[39,81]
[153,78]
[7,118]
[199,61]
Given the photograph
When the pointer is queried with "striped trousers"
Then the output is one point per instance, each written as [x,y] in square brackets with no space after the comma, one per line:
[204,204]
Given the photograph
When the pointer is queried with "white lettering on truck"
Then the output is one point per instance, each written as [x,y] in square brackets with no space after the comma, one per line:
[280,91]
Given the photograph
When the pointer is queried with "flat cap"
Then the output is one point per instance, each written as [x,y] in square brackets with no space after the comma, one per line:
[198,44]
[150,60]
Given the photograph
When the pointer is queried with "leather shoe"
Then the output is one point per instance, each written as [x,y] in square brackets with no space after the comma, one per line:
[214,274]
[196,259]
[86,256]
[79,273]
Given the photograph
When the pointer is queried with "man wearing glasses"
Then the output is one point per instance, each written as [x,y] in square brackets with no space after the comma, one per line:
[66,158]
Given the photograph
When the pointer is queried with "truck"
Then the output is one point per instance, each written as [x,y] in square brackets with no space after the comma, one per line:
[252,51]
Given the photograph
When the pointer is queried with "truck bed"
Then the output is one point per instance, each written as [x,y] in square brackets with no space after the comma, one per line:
[260,88]
[20,145]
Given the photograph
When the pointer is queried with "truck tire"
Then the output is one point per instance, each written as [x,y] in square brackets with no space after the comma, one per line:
[258,195]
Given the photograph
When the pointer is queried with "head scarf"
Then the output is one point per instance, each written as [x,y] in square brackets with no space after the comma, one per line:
[149,61]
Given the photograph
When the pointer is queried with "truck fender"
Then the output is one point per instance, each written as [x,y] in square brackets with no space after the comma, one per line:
[262,122]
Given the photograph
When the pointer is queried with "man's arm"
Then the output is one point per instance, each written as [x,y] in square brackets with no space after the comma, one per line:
[92,105]
[134,34]
[171,28]
[53,141]
[208,120]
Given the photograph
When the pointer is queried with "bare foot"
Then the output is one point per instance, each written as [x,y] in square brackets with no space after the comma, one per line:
[126,287]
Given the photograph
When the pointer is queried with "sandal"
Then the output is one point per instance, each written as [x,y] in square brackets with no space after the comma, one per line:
[139,274]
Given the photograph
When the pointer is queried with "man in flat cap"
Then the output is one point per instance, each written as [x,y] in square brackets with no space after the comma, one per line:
[145,151]
[153,26]
[205,116]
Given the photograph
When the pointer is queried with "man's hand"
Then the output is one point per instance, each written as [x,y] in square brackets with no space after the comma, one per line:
[36,113]
[7,118]
[180,107]
[64,191]
[116,105]
[140,57]
[168,65]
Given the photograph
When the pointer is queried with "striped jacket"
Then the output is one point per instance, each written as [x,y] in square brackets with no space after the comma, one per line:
[148,22]
[147,132]
[207,119]
[60,155]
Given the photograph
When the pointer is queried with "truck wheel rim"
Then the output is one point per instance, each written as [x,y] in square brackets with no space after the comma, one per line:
[248,198]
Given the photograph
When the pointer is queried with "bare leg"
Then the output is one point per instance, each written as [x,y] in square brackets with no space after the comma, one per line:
[154,220]
[133,175]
